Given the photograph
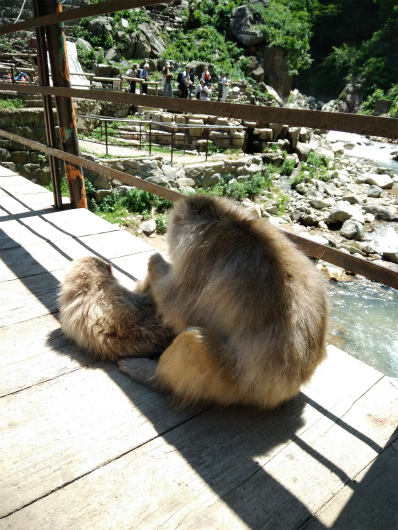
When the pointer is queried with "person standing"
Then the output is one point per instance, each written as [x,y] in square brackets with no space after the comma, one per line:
[186,81]
[206,75]
[167,77]
[226,85]
[192,77]
[199,88]
[144,75]
[133,72]
[220,85]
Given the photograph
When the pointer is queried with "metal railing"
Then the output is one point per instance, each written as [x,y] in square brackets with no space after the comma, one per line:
[368,125]
[147,134]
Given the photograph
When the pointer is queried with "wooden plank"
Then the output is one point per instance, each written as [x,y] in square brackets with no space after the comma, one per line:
[25,300]
[5,172]
[169,482]
[79,222]
[115,244]
[49,354]
[14,234]
[368,502]
[309,472]
[65,428]
[18,185]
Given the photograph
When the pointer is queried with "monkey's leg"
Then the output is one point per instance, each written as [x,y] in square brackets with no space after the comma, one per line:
[196,367]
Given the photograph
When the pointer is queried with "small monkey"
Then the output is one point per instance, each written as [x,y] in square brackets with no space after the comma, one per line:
[105,318]
[248,308]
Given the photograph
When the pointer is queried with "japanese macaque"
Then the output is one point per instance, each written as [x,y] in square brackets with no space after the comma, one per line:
[105,318]
[248,308]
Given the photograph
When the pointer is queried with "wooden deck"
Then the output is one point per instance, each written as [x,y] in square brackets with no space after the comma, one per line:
[83,447]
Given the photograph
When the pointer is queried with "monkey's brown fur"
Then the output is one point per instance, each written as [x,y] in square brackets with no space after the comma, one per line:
[249,309]
[105,318]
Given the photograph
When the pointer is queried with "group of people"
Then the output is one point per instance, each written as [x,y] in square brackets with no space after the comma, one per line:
[204,89]
[186,82]
[138,73]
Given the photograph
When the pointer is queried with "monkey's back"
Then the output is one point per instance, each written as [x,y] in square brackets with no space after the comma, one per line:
[242,279]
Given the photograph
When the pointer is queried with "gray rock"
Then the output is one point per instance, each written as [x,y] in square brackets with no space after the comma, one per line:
[303,150]
[382,181]
[343,211]
[156,43]
[170,173]
[319,204]
[84,44]
[391,256]
[352,230]
[352,199]
[102,182]
[310,219]
[381,212]
[5,155]
[100,25]
[148,227]
[374,192]
[184,181]
[242,26]
[101,194]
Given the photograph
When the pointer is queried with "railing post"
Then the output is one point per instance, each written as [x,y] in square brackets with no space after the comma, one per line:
[150,137]
[58,57]
[12,74]
[44,80]
[172,144]
[140,134]
[207,143]
[106,137]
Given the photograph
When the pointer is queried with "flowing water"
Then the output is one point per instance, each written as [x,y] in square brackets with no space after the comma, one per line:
[364,314]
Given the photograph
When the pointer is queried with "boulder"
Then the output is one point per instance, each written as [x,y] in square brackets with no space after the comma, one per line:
[352,230]
[242,26]
[155,41]
[100,25]
[381,212]
[343,211]
[148,227]
[101,194]
[382,181]
[303,150]
[374,192]
[258,74]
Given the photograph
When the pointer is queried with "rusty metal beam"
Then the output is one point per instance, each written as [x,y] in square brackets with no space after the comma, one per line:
[367,125]
[56,43]
[44,80]
[368,269]
[111,6]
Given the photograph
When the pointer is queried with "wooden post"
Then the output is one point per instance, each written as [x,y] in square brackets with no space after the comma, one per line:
[58,57]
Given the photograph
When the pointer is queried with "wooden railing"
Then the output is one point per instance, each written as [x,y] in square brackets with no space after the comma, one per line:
[368,125]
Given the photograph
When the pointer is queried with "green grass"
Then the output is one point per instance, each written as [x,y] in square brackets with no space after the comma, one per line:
[11,104]
[64,187]
[315,167]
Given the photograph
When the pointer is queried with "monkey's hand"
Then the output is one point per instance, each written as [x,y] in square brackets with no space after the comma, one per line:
[140,370]
[157,266]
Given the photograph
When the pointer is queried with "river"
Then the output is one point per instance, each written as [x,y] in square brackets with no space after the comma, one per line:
[364,314]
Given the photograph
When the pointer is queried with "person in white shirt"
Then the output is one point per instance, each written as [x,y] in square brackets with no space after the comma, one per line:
[144,76]
[226,85]
[206,93]
[199,88]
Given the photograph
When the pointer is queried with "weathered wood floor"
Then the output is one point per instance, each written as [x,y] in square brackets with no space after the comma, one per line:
[83,447]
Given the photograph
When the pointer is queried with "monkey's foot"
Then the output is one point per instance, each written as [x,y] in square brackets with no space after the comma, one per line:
[140,370]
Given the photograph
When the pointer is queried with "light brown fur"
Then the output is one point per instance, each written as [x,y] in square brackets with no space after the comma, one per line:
[105,318]
[249,309]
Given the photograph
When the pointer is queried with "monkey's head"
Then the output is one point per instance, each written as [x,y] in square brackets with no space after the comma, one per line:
[87,273]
